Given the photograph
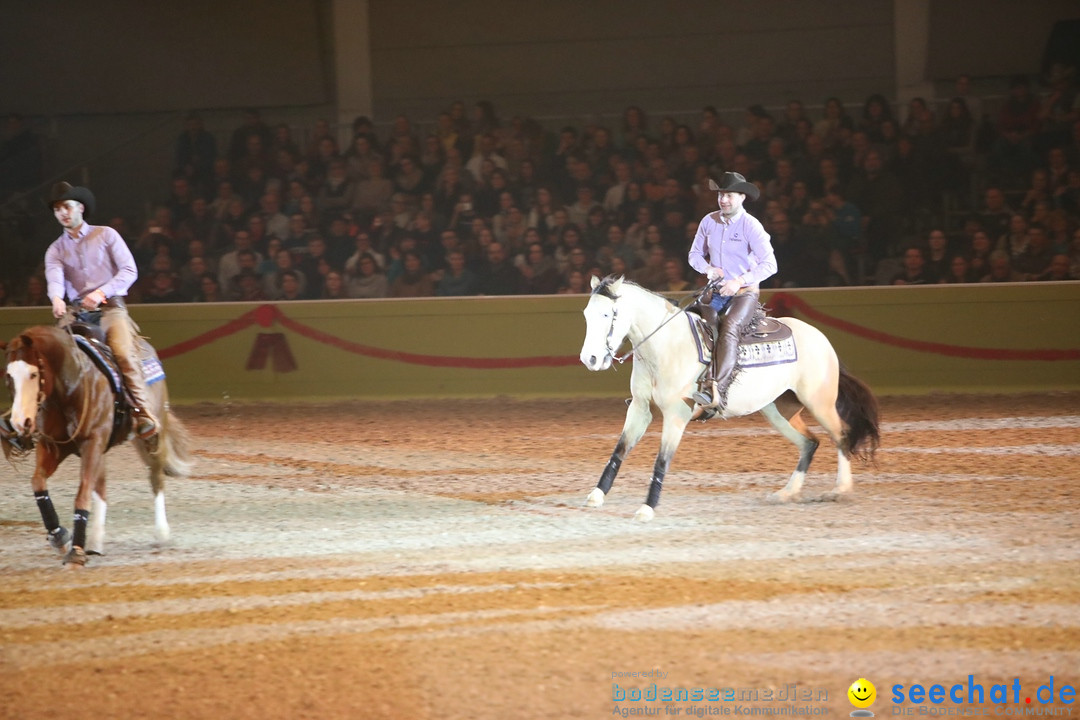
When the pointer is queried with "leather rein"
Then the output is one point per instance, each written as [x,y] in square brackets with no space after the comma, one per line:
[711,285]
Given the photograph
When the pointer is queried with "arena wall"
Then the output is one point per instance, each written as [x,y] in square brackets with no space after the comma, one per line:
[901,340]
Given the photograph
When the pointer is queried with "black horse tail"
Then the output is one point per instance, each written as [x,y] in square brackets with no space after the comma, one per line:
[858,408]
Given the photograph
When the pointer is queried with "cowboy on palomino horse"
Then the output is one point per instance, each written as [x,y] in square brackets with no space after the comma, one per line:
[733,250]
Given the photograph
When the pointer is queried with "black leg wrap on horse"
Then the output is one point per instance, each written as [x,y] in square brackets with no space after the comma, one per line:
[807,455]
[48,512]
[79,531]
[607,478]
[657,484]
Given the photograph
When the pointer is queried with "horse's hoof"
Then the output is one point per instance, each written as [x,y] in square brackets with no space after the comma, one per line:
[595,499]
[780,498]
[644,514]
[59,539]
[76,557]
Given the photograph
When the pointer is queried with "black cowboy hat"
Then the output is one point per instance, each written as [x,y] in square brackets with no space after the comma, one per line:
[65,191]
[734,182]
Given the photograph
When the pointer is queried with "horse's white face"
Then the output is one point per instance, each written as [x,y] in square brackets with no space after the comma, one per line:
[605,329]
[24,380]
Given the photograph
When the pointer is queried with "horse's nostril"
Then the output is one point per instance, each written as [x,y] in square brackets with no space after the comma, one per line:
[592,359]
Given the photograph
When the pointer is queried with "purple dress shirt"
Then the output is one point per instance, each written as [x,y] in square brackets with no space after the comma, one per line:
[739,246]
[98,258]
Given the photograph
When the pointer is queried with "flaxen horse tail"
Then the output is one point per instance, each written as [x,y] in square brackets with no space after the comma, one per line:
[175,452]
[858,408]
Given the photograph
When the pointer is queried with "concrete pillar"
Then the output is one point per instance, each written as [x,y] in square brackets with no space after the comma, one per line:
[352,63]
[911,23]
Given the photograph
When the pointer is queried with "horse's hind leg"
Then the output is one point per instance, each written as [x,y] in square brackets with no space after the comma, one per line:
[784,415]
[156,463]
[825,413]
[638,417]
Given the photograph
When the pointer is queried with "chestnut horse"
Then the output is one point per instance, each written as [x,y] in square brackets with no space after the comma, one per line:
[64,404]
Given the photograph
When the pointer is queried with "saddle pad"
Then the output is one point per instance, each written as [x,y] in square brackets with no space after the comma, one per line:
[103,363]
[152,370]
[770,344]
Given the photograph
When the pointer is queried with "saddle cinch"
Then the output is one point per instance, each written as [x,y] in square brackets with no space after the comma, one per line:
[90,338]
[765,340]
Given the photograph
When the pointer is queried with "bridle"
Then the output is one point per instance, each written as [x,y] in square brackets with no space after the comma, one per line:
[39,434]
[633,349]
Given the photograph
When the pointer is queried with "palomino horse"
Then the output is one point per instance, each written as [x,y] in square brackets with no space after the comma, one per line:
[64,404]
[667,367]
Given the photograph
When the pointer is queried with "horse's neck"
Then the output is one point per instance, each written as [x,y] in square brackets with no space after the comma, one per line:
[64,360]
[651,312]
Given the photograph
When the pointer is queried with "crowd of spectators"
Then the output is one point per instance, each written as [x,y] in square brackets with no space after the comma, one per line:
[479,206]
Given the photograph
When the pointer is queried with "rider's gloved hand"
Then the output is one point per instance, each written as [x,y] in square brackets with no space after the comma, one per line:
[714,273]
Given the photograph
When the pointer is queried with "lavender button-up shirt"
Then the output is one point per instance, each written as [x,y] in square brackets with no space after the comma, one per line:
[739,246]
[98,258]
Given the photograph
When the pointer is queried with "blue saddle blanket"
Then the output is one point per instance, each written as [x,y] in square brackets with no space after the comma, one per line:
[151,367]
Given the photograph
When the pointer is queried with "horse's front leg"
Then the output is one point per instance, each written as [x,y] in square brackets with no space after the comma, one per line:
[48,459]
[676,416]
[91,473]
[638,417]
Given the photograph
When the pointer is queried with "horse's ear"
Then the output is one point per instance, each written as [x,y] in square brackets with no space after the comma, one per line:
[26,341]
[594,281]
[616,284]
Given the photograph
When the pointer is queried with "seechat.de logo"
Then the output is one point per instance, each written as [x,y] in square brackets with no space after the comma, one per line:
[862,695]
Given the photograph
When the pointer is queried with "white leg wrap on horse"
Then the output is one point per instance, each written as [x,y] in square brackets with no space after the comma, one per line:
[792,489]
[595,499]
[644,514]
[161,523]
[843,474]
[95,533]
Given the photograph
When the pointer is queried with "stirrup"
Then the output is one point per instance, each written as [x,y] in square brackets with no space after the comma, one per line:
[145,426]
[706,400]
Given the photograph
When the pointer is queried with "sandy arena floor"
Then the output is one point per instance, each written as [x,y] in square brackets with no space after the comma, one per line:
[389,560]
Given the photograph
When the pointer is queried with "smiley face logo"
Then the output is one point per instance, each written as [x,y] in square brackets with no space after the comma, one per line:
[862,693]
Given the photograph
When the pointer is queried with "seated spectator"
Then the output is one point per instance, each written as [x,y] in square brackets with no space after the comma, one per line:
[290,286]
[231,262]
[366,279]
[539,273]
[939,255]
[274,281]
[575,284]
[413,280]
[191,275]
[1058,269]
[338,193]
[674,276]
[914,270]
[1001,269]
[652,274]
[334,287]
[162,289]
[1037,256]
[959,272]
[209,289]
[457,279]
[247,286]
[498,275]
